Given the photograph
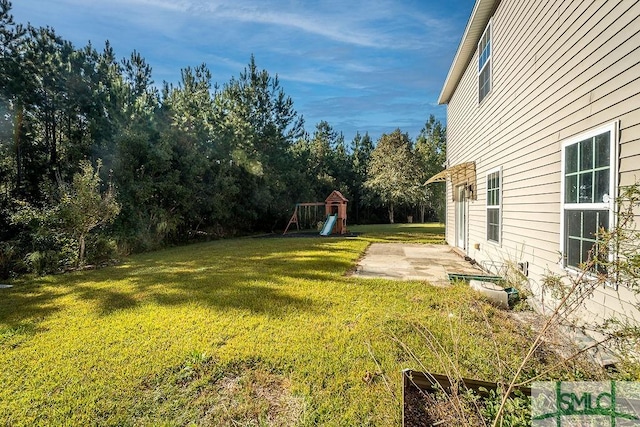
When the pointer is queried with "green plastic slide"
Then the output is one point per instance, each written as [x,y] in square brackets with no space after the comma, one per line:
[328,225]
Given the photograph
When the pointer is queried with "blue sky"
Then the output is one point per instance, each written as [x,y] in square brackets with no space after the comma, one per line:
[370,65]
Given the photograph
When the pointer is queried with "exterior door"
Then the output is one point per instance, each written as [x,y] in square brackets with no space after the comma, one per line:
[461,217]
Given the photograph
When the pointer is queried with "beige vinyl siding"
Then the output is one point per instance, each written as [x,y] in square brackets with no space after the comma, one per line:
[560,68]
[630,149]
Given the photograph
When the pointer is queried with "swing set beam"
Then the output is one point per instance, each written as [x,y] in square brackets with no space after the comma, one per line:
[294,217]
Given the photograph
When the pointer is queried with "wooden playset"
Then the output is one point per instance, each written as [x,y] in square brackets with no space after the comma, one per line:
[335,220]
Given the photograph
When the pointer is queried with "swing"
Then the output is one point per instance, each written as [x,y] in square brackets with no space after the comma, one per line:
[308,217]
[302,218]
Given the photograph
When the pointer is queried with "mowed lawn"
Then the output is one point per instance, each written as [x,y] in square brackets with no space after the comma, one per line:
[251,331]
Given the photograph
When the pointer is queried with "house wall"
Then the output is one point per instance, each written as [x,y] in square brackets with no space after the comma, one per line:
[560,68]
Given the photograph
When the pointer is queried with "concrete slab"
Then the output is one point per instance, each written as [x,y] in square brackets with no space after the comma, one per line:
[413,261]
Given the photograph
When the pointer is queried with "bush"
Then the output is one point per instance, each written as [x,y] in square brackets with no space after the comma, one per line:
[101,249]
[49,252]
[10,259]
[43,262]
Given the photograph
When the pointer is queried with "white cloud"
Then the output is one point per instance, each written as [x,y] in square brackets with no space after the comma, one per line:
[363,24]
[341,60]
[174,6]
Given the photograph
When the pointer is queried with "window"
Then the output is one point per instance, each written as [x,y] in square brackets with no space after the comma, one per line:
[493,205]
[484,64]
[588,192]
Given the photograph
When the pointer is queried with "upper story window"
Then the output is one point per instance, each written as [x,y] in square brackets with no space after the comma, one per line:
[589,189]
[494,203]
[484,63]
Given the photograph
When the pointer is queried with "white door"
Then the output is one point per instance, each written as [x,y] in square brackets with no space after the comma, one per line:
[461,217]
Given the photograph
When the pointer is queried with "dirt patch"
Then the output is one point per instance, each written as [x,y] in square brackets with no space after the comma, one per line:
[427,409]
[568,343]
[203,392]
[253,398]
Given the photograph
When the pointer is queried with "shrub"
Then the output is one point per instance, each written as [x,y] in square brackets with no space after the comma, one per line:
[10,259]
[101,249]
[43,262]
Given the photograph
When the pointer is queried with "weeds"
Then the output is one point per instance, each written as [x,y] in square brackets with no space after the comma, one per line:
[614,261]
[450,352]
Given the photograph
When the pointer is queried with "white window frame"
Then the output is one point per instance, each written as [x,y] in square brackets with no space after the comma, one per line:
[488,62]
[612,129]
[497,207]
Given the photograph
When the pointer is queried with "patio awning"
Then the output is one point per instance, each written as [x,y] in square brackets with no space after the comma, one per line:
[462,173]
[459,174]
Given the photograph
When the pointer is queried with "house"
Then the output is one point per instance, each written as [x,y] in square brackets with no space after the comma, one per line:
[543,127]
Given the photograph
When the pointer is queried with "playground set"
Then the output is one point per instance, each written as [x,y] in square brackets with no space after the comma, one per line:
[335,214]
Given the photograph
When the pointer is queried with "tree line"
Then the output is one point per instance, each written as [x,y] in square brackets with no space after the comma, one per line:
[95,158]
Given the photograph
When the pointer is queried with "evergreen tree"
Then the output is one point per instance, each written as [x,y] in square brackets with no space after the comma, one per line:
[361,149]
[12,38]
[431,156]
[141,98]
[15,84]
[322,166]
[259,125]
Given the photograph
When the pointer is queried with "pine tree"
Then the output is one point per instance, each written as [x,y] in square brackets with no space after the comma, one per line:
[431,156]
[361,149]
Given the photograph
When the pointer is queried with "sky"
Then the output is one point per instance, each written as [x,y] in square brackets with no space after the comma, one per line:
[361,65]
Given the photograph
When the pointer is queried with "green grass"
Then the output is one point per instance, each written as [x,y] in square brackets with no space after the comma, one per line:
[417,233]
[236,332]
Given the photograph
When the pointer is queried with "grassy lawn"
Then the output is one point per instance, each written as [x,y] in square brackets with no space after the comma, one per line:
[418,233]
[237,332]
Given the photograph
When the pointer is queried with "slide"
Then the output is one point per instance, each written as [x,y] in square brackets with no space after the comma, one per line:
[328,225]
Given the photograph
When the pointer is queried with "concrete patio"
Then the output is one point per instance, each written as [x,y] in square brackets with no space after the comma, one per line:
[413,261]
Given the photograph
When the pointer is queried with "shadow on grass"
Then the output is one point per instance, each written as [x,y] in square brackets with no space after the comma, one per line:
[258,275]
[13,334]
[23,305]
[228,275]
[222,296]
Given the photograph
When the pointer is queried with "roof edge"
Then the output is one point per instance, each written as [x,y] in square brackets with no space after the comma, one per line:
[480,16]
